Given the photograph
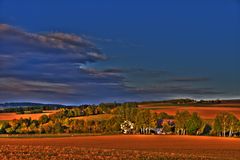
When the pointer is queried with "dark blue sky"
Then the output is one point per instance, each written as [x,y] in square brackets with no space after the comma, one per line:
[92,51]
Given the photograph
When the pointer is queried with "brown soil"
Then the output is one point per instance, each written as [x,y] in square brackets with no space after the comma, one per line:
[120,146]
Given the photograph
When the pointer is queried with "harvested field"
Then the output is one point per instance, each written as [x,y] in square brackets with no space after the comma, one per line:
[121,147]
[95,117]
[11,116]
[206,112]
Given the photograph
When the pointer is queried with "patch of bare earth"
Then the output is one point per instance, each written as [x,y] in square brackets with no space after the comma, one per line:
[121,147]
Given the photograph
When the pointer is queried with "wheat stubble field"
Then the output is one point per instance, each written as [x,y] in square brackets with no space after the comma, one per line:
[121,147]
[35,116]
[206,111]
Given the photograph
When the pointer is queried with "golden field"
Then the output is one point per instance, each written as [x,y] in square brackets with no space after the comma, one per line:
[95,117]
[205,111]
[35,116]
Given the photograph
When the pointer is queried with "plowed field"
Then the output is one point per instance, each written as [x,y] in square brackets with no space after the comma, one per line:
[121,147]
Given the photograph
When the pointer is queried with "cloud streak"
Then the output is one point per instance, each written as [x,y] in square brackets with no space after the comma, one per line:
[25,86]
[34,64]
[55,67]
[21,44]
[190,79]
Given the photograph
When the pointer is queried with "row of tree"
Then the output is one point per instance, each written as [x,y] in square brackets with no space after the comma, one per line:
[139,121]
[226,124]
[186,123]
[77,112]
[28,107]
[62,121]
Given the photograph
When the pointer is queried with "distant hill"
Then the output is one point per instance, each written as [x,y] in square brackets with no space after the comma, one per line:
[192,101]
[27,104]
[173,101]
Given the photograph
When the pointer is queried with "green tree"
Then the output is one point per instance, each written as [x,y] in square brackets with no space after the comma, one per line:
[225,123]
[13,125]
[233,124]
[164,115]
[145,120]
[181,120]
[43,119]
[238,127]
[57,128]
[3,126]
[47,127]
[89,110]
[99,110]
[194,124]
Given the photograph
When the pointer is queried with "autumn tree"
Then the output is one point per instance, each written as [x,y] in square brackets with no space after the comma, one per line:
[181,122]
[43,119]
[164,115]
[89,110]
[225,123]
[168,127]
[233,124]
[3,126]
[145,120]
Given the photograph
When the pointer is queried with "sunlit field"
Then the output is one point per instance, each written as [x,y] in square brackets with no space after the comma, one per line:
[95,117]
[121,147]
[119,80]
[35,116]
[206,111]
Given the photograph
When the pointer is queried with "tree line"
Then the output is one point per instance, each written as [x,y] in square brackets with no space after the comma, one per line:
[143,121]
[30,107]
